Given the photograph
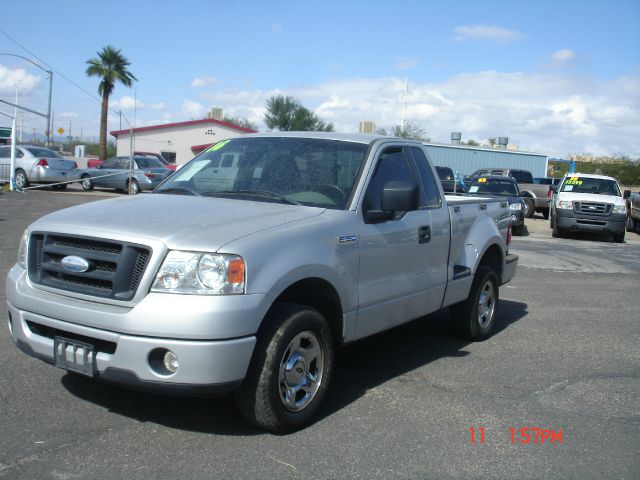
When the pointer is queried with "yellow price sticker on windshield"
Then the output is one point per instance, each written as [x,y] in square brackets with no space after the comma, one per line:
[218,145]
[574,181]
[482,180]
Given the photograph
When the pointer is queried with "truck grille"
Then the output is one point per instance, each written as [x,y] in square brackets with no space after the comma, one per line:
[593,208]
[115,268]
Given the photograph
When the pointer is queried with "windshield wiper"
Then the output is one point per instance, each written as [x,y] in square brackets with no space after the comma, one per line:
[263,193]
[179,190]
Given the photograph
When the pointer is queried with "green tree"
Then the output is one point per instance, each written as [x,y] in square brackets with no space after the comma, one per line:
[111,67]
[412,130]
[241,122]
[288,114]
[471,142]
[492,141]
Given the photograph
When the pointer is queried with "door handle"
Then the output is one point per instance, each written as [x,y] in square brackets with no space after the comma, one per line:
[424,234]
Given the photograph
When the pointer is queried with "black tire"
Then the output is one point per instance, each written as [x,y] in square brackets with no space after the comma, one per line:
[21,179]
[618,237]
[87,184]
[60,188]
[545,214]
[518,230]
[134,188]
[261,399]
[531,210]
[555,231]
[468,319]
[631,225]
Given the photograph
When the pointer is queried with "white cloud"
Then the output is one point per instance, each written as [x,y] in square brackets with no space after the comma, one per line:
[563,56]
[551,114]
[406,63]
[200,82]
[191,109]
[129,103]
[12,78]
[486,32]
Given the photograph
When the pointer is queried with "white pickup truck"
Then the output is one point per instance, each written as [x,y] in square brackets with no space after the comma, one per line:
[587,203]
[209,285]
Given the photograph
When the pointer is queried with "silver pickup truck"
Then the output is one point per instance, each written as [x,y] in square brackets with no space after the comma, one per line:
[247,268]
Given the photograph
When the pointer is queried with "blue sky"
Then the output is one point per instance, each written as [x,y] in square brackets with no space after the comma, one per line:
[557,77]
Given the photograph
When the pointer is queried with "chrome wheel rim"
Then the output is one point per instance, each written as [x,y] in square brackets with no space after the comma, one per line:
[86,183]
[526,209]
[20,179]
[486,305]
[135,188]
[301,371]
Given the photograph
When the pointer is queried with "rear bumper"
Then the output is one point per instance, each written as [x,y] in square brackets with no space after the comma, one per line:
[509,270]
[49,175]
[570,220]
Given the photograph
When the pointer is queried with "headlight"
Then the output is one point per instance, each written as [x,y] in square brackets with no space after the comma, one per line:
[566,204]
[22,250]
[620,209]
[515,207]
[200,273]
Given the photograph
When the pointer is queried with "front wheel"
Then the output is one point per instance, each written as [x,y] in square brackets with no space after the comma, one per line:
[618,237]
[87,184]
[475,317]
[290,370]
[555,231]
[631,224]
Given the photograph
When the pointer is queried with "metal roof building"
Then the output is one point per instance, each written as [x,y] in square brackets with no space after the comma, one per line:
[465,159]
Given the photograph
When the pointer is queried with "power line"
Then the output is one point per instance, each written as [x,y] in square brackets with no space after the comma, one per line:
[99,100]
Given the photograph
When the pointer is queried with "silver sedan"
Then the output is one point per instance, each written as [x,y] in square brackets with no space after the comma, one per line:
[37,165]
[146,174]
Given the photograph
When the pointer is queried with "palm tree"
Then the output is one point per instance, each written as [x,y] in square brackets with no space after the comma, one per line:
[111,66]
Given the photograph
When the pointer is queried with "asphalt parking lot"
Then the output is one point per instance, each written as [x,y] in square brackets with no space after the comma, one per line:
[565,358]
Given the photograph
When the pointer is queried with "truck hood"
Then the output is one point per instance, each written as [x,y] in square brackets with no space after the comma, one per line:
[180,222]
[591,197]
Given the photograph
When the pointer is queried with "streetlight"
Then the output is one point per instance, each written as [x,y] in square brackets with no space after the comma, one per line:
[50,73]
[12,164]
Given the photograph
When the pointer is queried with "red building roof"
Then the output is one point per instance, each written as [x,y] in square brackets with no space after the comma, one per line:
[205,121]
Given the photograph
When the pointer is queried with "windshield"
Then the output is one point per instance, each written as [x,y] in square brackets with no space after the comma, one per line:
[599,186]
[444,173]
[307,171]
[494,186]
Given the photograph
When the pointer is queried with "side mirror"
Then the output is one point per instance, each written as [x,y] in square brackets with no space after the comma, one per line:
[397,196]
[553,188]
[626,194]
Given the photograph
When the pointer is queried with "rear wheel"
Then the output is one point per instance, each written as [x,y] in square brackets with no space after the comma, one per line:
[134,188]
[529,208]
[290,370]
[475,317]
[21,179]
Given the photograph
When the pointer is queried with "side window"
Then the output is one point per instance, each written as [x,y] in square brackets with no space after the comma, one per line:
[431,192]
[392,165]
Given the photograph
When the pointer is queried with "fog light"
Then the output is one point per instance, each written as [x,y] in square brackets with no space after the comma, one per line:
[170,361]
[513,218]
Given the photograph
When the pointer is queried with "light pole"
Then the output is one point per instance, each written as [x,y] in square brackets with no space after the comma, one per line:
[50,73]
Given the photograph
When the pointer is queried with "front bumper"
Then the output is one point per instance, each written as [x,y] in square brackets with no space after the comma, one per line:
[124,338]
[569,220]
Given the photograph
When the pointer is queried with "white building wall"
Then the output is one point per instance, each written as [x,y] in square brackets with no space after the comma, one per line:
[178,139]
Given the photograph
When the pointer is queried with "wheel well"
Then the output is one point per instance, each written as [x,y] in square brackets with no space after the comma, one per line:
[320,295]
[492,258]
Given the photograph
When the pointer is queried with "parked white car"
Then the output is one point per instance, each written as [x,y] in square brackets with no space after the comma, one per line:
[588,203]
[37,165]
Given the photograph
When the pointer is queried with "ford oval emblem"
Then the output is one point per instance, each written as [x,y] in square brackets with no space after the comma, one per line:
[75,264]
